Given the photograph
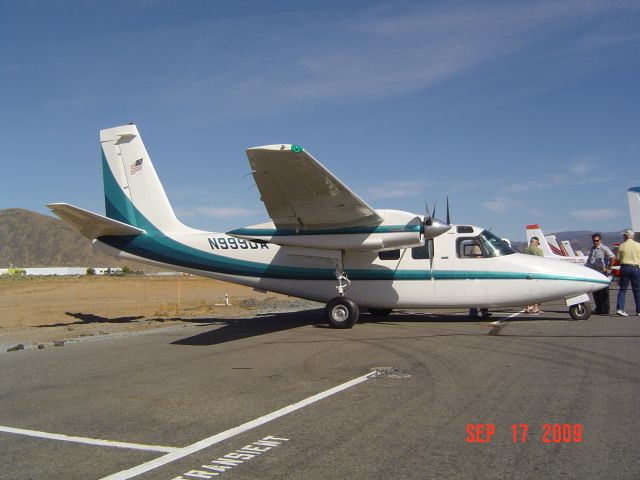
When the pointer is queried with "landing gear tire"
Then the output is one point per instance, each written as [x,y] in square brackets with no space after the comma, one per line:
[380,312]
[341,312]
[580,311]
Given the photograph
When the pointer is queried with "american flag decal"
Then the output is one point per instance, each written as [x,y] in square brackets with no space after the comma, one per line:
[136,166]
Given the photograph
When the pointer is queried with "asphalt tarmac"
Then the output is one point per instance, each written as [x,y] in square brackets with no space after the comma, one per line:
[528,397]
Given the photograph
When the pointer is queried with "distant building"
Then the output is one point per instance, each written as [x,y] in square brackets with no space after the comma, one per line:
[107,270]
[37,271]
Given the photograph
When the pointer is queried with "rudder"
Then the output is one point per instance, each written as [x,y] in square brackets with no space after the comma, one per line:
[133,192]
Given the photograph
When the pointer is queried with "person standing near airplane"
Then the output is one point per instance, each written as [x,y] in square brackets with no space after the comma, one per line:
[629,255]
[600,258]
[533,249]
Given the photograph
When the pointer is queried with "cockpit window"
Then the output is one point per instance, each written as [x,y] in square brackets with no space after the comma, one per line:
[484,245]
[494,245]
[470,247]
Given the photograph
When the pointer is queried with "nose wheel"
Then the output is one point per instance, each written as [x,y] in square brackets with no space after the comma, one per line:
[580,311]
[341,312]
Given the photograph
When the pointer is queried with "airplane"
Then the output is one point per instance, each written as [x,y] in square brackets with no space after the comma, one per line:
[568,248]
[633,195]
[552,249]
[323,242]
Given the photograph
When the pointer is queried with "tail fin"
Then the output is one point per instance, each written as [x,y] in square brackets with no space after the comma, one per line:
[634,207]
[566,245]
[547,249]
[132,191]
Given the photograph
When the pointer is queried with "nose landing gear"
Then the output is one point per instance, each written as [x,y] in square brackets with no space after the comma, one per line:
[580,311]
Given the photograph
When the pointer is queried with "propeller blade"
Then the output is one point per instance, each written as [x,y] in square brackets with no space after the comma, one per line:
[448,214]
[430,249]
[434,210]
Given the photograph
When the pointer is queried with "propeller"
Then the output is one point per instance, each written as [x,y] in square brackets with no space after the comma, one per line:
[432,227]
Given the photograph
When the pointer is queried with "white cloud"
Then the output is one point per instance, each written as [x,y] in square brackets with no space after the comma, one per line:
[500,204]
[399,48]
[397,189]
[596,214]
[582,167]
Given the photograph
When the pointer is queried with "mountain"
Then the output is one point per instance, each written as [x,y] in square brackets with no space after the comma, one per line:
[581,240]
[30,239]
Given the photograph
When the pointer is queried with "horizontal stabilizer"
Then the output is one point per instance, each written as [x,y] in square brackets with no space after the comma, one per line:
[90,224]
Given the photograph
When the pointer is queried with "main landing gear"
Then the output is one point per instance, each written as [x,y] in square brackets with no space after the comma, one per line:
[580,311]
[341,311]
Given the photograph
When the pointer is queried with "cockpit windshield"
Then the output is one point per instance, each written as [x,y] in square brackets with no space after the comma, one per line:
[494,245]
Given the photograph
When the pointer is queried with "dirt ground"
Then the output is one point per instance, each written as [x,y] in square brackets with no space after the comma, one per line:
[48,310]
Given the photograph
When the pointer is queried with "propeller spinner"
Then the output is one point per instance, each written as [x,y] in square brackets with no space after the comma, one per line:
[432,227]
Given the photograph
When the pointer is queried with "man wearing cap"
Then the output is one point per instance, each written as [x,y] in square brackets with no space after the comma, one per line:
[629,254]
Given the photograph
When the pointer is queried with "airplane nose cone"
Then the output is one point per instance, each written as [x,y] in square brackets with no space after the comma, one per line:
[599,280]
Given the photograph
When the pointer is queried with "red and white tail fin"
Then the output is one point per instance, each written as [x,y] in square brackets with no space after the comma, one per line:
[551,248]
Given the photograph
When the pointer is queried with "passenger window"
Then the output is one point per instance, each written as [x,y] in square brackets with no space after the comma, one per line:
[469,248]
[421,253]
[389,255]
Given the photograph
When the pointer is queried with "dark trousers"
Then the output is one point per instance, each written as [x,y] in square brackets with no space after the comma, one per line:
[629,274]
[601,299]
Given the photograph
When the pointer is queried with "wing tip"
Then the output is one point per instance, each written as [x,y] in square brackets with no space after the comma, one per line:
[285,147]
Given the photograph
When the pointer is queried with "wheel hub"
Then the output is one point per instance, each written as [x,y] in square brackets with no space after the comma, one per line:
[340,313]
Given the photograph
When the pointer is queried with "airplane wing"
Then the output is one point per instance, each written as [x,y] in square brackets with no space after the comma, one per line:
[299,192]
[90,224]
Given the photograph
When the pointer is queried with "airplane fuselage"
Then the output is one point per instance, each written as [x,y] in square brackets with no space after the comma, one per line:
[391,279]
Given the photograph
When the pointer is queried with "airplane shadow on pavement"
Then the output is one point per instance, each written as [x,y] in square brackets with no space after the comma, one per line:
[87,318]
[262,324]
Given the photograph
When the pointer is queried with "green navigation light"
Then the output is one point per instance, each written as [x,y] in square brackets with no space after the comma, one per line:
[296,148]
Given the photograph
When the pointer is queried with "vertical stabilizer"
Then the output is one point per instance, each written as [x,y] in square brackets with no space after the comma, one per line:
[566,245]
[634,207]
[132,190]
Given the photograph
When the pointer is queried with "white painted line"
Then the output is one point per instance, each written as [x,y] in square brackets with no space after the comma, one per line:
[207,442]
[86,441]
[502,320]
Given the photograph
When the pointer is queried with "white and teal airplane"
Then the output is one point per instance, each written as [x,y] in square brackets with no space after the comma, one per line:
[323,242]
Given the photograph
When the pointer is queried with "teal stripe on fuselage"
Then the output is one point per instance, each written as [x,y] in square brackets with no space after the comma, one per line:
[282,232]
[158,247]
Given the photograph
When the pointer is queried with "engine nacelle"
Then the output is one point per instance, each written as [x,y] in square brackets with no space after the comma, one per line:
[398,230]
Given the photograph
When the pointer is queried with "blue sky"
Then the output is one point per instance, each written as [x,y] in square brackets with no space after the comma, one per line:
[521,112]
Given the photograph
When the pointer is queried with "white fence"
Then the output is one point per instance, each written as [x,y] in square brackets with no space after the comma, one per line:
[64,270]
